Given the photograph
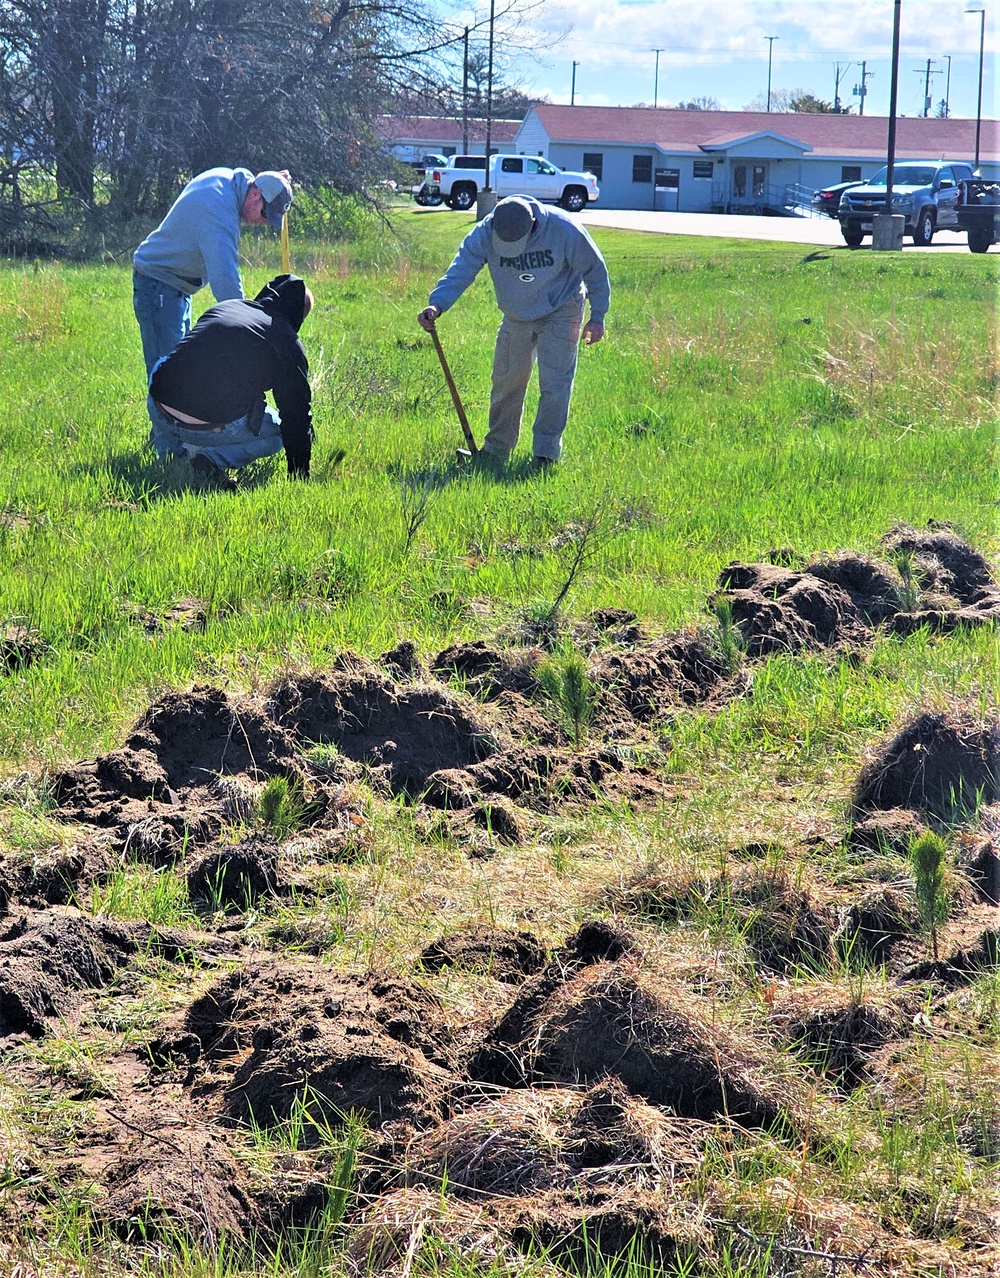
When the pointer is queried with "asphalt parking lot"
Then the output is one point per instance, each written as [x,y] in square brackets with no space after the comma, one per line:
[821,231]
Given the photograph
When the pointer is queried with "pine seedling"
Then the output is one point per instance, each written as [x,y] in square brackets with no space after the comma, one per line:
[731,647]
[565,682]
[281,808]
[927,856]
[909,591]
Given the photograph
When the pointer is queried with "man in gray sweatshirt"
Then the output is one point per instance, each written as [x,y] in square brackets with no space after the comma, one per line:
[543,265]
[198,243]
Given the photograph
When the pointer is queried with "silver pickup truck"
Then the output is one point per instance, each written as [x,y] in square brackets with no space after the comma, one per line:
[926,192]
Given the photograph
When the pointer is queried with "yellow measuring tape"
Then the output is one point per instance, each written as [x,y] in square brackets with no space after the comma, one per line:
[286,255]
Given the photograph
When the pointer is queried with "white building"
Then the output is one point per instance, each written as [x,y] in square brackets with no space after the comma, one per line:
[734,161]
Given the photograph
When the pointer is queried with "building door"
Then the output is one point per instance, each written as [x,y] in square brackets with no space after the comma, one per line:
[759,178]
[667,190]
[739,183]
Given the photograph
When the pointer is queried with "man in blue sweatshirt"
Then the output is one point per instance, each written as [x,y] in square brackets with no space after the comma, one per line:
[198,243]
[543,265]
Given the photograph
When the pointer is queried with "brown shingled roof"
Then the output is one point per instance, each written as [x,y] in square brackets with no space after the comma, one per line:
[826,135]
[436,128]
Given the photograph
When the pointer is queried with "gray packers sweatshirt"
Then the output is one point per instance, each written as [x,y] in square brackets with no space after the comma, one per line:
[560,262]
[198,242]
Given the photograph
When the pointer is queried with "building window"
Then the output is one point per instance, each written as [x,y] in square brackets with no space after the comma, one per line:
[593,162]
[704,168]
[850,173]
[642,168]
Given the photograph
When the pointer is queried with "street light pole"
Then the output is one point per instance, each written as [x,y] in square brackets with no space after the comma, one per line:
[770,49]
[465,95]
[978,6]
[489,99]
[656,77]
[572,87]
[947,88]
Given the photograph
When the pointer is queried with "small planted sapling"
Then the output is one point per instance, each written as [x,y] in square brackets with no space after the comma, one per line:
[927,857]
[564,680]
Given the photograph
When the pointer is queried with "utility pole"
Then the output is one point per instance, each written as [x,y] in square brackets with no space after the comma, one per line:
[656,77]
[861,90]
[947,90]
[840,69]
[465,96]
[572,91]
[927,73]
[770,47]
[489,101]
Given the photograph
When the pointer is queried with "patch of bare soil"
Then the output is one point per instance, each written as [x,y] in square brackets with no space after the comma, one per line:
[940,765]
[535,1139]
[878,922]
[47,958]
[979,857]
[20,647]
[236,876]
[651,679]
[407,733]
[270,1030]
[505,955]
[837,1032]
[161,789]
[838,602]
[487,671]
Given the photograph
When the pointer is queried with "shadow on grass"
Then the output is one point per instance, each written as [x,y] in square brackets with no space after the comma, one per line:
[439,474]
[139,478]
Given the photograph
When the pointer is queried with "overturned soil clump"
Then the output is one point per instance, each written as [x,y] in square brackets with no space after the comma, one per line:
[236,876]
[46,959]
[270,1031]
[162,788]
[941,765]
[837,602]
[505,955]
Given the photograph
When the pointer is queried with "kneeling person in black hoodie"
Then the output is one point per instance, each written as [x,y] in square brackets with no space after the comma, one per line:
[206,398]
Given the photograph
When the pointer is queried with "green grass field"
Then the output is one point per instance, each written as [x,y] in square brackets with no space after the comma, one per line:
[747,397]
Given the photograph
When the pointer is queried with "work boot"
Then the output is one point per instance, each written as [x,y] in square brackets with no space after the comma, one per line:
[212,476]
[545,463]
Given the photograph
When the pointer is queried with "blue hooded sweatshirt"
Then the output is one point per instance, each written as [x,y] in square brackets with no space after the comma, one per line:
[198,242]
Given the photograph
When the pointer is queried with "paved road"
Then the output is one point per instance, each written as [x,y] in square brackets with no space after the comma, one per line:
[822,231]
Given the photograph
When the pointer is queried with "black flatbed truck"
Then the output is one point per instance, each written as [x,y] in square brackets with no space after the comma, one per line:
[979,213]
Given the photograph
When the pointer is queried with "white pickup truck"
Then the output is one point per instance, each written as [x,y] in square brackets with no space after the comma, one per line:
[461,179]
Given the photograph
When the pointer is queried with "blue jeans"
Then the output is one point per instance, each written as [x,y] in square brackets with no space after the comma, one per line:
[231,446]
[164,317]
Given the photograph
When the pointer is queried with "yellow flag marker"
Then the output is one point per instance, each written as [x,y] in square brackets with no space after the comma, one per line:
[286,255]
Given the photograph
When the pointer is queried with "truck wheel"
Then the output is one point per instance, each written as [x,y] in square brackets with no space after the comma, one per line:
[574,199]
[462,197]
[852,236]
[979,240]
[923,230]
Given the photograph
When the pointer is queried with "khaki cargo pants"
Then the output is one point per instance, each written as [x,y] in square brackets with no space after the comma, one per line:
[554,341]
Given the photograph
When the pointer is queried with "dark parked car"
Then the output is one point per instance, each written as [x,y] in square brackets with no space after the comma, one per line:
[827,200]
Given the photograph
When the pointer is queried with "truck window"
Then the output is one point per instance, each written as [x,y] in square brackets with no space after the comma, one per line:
[511,165]
[470,162]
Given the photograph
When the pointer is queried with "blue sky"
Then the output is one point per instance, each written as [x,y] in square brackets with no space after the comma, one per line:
[718,48]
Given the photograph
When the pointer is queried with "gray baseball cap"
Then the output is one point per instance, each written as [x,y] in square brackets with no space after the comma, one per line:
[512,222]
[277,196]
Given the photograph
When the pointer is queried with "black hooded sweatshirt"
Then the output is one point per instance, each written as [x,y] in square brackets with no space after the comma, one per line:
[236,352]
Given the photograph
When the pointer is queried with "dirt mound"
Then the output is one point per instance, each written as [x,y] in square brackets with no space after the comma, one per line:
[487,671]
[658,1039]
[777,609]
[20,647]
[166,772]
[837,1032]
[650,680]
[608,1230]
[238,875]
[159,1189]
[876,923]
[537,1139]
[271,1030]
[403,661]
[888,832]
[941,764]
[498,952]
[408,734]
[782,925]
[544,778]
[499,1058]
[943,563]
[46,959]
